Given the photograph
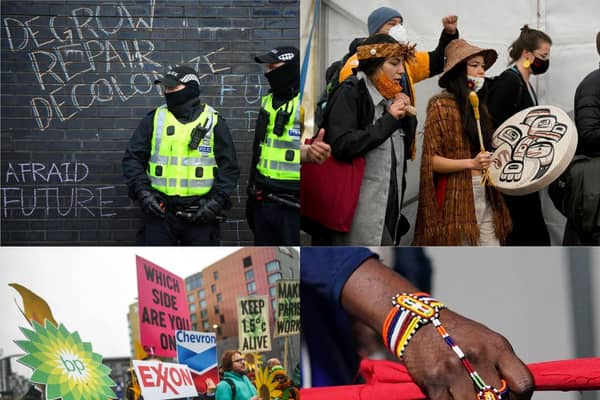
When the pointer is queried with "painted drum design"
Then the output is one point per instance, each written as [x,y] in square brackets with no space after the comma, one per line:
[531,149]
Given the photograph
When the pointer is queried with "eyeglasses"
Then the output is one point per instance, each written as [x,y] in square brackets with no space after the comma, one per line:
[238,360]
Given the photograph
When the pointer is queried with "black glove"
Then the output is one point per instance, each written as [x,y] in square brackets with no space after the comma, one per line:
[208,210]
[151,204]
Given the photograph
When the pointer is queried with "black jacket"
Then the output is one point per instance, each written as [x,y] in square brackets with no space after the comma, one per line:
[587,115]
[348,127]
[508,95]
[137,154]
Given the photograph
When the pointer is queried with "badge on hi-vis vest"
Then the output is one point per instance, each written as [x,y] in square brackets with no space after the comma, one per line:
[204,149]
[294,133]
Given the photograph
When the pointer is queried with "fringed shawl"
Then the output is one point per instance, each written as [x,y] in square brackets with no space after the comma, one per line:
[455,223]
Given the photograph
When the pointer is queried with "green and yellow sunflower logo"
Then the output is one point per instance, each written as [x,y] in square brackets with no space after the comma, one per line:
[67,367]
[266,386]
[253,361]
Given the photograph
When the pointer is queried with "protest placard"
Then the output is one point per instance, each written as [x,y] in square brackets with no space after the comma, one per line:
[253,324]
[288,308]
[198,350]
[162,308]
[161,381]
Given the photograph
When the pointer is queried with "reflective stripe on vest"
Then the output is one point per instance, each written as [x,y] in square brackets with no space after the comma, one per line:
[174,168]
[280,155]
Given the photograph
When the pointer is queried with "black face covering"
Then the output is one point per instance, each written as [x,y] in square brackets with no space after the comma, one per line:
[539,66]
[284,80]
[179,102]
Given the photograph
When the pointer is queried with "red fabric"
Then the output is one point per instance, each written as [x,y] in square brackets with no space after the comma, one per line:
[329,192]
[391,381]
[440,189]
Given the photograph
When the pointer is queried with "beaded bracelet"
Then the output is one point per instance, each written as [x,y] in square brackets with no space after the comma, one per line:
[410,312]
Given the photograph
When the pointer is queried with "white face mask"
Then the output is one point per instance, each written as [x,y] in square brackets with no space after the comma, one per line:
[399,33]
[475,82]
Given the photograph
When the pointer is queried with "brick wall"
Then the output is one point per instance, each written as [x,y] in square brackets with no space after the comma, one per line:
[77,79]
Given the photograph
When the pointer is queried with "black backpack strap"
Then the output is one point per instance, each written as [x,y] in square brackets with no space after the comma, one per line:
[232,386]
[520,92]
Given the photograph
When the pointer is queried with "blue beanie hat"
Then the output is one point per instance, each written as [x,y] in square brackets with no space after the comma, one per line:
[379,17]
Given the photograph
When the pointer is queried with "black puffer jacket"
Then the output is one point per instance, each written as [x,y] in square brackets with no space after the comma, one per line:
[587,115]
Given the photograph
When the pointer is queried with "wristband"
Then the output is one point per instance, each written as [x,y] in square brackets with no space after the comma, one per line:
[410,312]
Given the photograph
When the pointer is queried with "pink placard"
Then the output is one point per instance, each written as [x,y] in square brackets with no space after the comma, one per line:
[162,308]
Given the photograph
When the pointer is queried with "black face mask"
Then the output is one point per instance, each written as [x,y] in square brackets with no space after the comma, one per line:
[179,102]
[539,66]
[284,80]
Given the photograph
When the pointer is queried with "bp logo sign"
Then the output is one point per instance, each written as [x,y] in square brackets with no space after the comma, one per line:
[67,367]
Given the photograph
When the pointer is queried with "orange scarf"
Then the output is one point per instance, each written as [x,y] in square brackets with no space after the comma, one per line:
[384,85]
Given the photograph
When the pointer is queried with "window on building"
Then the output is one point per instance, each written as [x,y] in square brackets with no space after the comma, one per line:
[195,327]
[213,288]
[273,291]
[219,331]
[216,275]
[216,309]
[191,298]
[203,304]
[193,317]
[249,275]
[219,297]
[194,282]
[192,307]
[201,294]
[204,314]
[205,325]
[251,286]
[272,266]
[274,278]
[222,319]
[247,261]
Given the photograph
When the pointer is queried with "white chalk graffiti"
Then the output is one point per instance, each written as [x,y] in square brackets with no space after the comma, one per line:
[85,50]
[63,197]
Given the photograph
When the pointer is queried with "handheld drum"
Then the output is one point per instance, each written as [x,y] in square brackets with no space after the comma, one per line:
[532,149]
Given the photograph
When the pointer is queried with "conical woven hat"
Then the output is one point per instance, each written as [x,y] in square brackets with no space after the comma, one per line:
[458,51]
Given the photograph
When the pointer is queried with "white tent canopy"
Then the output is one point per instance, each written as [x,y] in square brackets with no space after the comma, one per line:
[572,26]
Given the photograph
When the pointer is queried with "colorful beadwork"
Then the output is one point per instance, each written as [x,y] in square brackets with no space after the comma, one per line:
[411,311]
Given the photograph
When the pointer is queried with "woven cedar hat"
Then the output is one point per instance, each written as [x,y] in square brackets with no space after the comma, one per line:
[458,51]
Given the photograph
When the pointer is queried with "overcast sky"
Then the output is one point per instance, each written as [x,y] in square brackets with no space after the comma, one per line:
[88,289]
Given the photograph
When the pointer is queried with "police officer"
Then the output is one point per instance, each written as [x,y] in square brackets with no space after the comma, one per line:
[273,208]
[180,164]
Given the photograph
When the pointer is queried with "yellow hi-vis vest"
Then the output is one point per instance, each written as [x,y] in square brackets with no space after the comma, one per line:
[174,168]
[280,155]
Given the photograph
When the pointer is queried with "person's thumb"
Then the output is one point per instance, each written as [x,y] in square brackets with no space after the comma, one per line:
[320,135]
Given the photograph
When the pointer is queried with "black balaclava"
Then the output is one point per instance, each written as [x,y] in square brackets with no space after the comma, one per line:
[182,102]
[284,80]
